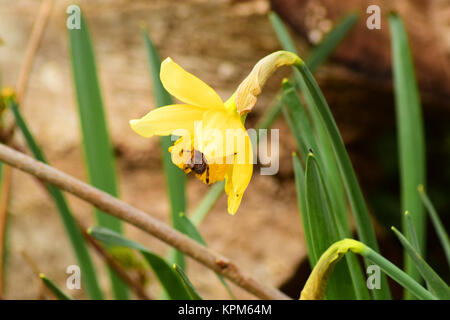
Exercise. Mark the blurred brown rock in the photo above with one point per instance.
(367, 52)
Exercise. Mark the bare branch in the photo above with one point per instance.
(140, 219)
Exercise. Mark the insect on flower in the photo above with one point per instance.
(213, 142)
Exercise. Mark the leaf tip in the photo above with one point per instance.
(143, 25)
(420, 188)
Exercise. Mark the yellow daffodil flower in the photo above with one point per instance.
(213, 142)
(197, 150)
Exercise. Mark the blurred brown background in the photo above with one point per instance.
(219, 41)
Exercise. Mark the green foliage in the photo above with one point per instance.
(187, 283)
(410, 133)
(364, 227)
(72, 229)
(189, 229)
(167, 276)
(59, 294)
(175, 178)
(437, 223)
(345, 282)
(97, 146)
(435, 284)
(315, 221)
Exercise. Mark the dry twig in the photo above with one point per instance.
(140, 219)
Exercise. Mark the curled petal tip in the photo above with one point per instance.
(250, 88)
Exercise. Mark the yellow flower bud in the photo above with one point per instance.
(316, 284)
(250, 88)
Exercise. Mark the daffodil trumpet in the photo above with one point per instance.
(212, 141)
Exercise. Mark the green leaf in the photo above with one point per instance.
(175, 177)
(317, 103)
(301, 127)
(59, 294)
(301, 199)
(187, 283)
(435, 284)
(399, 276)
(97, 146)
(207, 202)
(302, 130)
(328, 134)
(189, 229)
(70, 224)
(166, 275)
(440, 229)
(411, 231)
(298, 121)
(411, 140)
(323, 229)
(323, 147)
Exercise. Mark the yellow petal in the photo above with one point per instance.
(219, 133)
(187, 87)
(165, 120)
(239, 176)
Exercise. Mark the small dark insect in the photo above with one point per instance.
(197, 162)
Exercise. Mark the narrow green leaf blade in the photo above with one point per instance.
(175, 178)
(435, 284)
(97, 146)
(166, 275)
(399, 276)
(96, 142)
(411, 231)
(364, 227)
(298, 120)
(188, 228)
(324, 231)
(316, 58)
(438, 225)
(207, 202)
(59, 294)
(302, 130)
(187, 283)
(75, 236)
(299, 174)
(411, 140)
